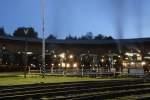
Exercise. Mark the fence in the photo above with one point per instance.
(75, 72)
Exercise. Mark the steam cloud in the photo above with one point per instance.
(119, 17)
(138, 6)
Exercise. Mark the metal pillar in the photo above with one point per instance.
(43, 42)
(26, 57)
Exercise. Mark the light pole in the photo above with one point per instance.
(82, 70)
(26, 59)
(82, 64)
(52, 68)
(43, 41)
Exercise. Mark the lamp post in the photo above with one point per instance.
(82, 64)
(43, 40)
(52, 68)
(82, 70)
(26, 58)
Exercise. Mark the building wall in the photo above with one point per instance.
(36, 47)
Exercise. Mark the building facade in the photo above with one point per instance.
(119, 54)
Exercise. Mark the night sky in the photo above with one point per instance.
(118, 18)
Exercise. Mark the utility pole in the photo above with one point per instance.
(26, 57)
(43, 40)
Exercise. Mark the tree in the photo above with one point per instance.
(108, 38)
(102, 37)
(99, 37)
(71, 38)
(2, 32)
(51, 37)
(88, 36)
(82, 38)
(20, 32)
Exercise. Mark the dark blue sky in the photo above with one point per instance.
(76, 17)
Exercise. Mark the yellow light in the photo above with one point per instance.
(75, 65)
(55, 56)
(68, 65)
(63, 64)
(62, 55)
(115, 60)
(132, 63)
(102, 60)
(138, 55)
(52, 64)
(143, 63)
(29, 53)
(124, 64)
(71, 56)
(129, 54)
(59, 64)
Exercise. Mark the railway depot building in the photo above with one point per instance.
(75, 54)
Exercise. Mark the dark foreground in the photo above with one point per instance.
(96, 90)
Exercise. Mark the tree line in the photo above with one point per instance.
(29, 32)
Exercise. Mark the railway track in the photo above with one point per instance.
(96, 90)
